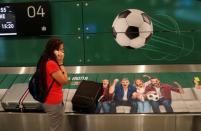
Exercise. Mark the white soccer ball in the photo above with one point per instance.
(132, 28)
(153, 96)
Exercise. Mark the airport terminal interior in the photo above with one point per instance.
(103, 39)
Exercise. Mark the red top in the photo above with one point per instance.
(165, 90)
(55, 95)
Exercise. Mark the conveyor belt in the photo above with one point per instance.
(106, 122)
(12, 121)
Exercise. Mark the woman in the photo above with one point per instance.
(105, 98)
(54, 73)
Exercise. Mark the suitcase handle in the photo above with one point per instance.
(21, 107)
(85, 97)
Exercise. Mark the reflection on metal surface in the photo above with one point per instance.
(22, 70)
(188, 122)
(77, 69)
(102, 122)
(112, 69)
(142, 68)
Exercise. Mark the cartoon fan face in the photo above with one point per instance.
(153, 96)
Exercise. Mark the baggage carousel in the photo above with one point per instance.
(186, 118)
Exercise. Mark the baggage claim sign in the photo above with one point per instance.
(25, 19)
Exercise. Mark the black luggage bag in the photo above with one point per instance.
(86, 97)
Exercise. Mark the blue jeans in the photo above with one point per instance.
(103, 105)
(132, 103)
(144, 107)
(162, 101)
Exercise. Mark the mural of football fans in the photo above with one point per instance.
(105, 98)
(160, 94)
(143, 103)
(123, 95)
(197, 82)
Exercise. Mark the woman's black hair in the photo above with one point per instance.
(52, 44)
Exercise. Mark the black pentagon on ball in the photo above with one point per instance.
(146, 18)
(124, 14)
(114, 33)
(132, 32)
(129, 47)
(148, 37)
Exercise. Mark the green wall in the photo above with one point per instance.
(85, 27)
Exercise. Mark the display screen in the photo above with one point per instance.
(25, 19)
(7, 21)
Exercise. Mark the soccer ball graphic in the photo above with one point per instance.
(132, 28)
(153, 96)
